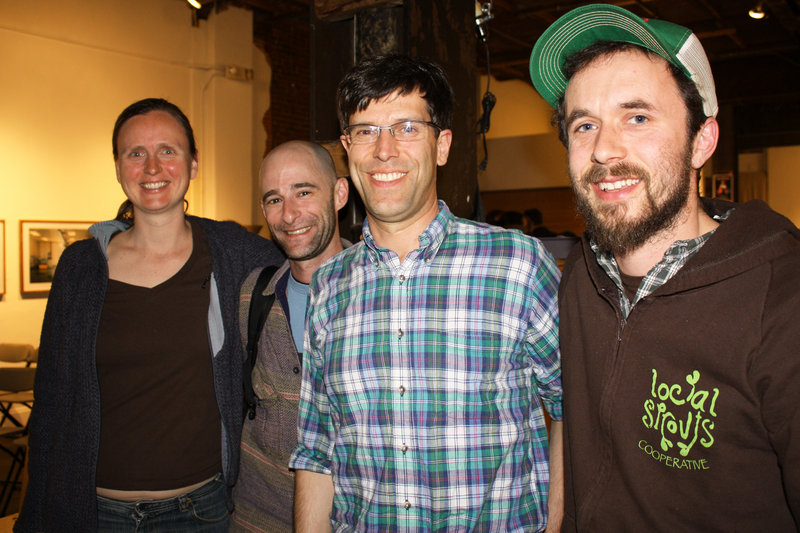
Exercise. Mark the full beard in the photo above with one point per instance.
(607, 224)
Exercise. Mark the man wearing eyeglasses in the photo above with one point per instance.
(431, 345)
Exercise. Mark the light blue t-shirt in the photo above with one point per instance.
(297, 295)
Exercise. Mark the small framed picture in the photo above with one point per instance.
(2, 257)
(722, 186)
(41, 245)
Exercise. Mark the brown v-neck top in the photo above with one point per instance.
(160, 424)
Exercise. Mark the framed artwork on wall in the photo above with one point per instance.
(41, 245)
(2, 257)
(722, 186)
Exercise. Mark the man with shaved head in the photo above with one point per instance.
(300, 198)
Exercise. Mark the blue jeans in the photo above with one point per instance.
(202, 510)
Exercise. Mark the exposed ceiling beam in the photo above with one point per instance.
(345, 8)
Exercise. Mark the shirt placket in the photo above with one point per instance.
(402, 383)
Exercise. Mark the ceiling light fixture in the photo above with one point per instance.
(757, 12)
(195, 4)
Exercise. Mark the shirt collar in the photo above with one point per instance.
(674, 258)
(677, 249)
(430, 240)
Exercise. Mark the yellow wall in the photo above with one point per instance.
(525, 162)
(519, 110)
(783, 189)
(69, 68)
(524, 150)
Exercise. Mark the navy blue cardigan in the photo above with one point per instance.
(65, 422)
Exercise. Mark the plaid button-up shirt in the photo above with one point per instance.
(423, 382)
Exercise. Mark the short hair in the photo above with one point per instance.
(380, 76)
(696, 117)
(511, 219)
(147, 105)
(495, 216)
(535, 215)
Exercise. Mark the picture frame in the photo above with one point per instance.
(2, 257)
(704, 184)
(722, 186)
(41, 244)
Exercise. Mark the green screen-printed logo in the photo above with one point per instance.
(681, 419)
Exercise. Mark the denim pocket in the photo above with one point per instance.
(208, 504)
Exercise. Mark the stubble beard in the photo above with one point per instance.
(326, 229)
(608, 225)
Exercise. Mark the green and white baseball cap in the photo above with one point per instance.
(593, 23)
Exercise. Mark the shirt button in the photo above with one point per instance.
(296, 370)
(402, 278)
(407, 505)
(401, 389)
(400, 333)
(404, 448)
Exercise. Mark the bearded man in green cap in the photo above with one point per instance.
(678, 329)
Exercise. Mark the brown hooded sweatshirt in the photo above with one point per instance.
(686, 415)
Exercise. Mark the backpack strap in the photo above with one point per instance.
(260, 306)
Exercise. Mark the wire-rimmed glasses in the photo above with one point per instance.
(404, 131)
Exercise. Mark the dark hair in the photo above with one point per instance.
(142, 107)
(535, 215)
(511, 219)
(381, 76)
(581, 59)
(495, 216)
(125, 211)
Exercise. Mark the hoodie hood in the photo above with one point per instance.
(103, 231)
(753, 234)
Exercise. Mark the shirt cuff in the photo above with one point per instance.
(304, 459)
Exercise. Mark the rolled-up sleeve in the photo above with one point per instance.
(314, 423)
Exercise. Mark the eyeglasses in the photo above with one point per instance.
(405, 131)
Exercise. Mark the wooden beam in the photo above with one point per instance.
(339, 9)
(444, 30)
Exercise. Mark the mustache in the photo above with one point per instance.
(598, 173)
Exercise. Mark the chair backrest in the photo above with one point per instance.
(17, 353)
(559, 246)
(17, 378)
